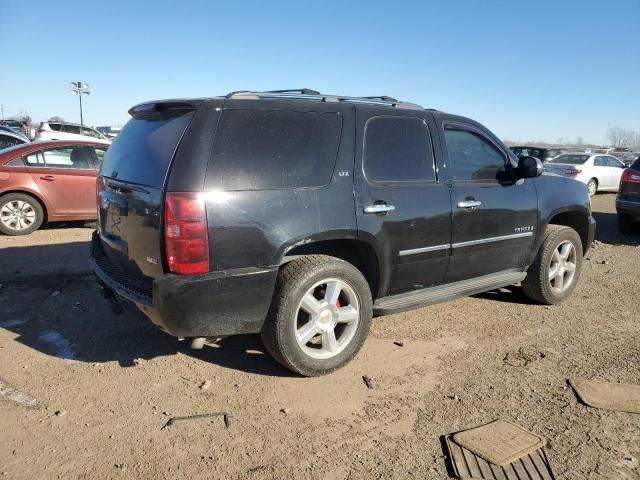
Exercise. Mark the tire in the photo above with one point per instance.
(290, 320)
(29, 211)
(592, 187)
(538, 285)
(625, 224)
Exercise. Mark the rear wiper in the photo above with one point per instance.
(125, 187)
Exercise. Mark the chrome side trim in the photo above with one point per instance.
(414, 251)
(492, 239)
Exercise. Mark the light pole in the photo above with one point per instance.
(80, 89)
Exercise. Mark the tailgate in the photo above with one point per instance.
(130, 191)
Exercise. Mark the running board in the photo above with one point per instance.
(441, 293)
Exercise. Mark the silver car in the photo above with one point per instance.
(67, 131)
(601, 173)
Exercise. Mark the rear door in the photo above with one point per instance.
(66, 176)
(494, 217)
(402, 205)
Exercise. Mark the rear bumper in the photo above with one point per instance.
(629, 208)
(219, 303)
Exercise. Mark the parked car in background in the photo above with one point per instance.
(11, 139)
(299, 215)
(628, 198)
(543, 153)
(47, 182)
(16, 126)
(67, 131)
(601, 173)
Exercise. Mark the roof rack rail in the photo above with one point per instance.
(303, 91)
(384, 98)
(307, 94)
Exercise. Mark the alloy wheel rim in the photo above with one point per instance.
(562, 268)
(592, 188)
(327, 318)
(17, 215)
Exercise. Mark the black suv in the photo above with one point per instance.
(301, 215)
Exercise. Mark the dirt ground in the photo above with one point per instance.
(105, 385)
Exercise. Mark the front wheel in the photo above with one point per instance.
(20, 214)
(320, 316)
(592, 187)
(555, 271)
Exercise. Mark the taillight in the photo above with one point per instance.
(40, 130)
(186, 237)
(630, 176)
(572, 171)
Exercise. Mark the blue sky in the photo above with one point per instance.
(544, 70)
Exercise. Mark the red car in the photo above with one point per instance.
(48, 182)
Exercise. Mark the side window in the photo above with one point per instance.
(7, 141)
(600, 162)
(71, 129)
(100, 153)
(76, 158)
(16, 162)
(89, 132)
(614, 162)
(262, 150)
(472, 157)
(34, 159)
(55, 126)
(397, 149)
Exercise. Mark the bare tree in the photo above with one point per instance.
(56, 118)
(620, 137)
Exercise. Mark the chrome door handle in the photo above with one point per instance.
(382, 208)
(469, 204)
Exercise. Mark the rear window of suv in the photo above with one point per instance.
(143, 150)
(265, 150)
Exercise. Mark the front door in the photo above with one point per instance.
(494, 216)
(615, 168)
(403, 206)
(66, 177)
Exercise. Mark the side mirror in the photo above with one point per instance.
(529, 167)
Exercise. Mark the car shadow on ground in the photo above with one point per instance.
(607, 230)
(65, 316)
(75, 224)
(510, 294)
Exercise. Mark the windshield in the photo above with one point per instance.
(144, 149)
(570, 159)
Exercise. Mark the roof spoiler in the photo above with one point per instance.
(163, 107)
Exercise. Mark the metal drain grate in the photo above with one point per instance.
(464, 464)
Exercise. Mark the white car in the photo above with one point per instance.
(601, 173)
(67, 131)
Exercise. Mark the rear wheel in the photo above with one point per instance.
(592, 187)
(555, 271)
(20, 214)
(320, 316)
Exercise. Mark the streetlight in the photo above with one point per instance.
(80, 89)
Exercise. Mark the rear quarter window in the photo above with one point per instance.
(264, 150)
(143, 150)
